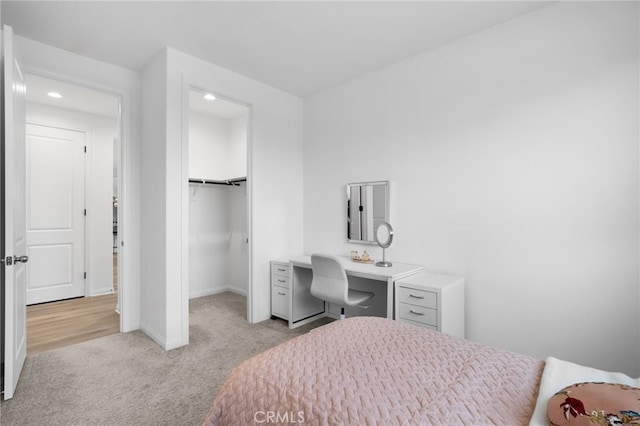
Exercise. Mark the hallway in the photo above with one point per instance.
(66, 322)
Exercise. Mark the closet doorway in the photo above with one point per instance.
(73, 165)
(218, 197)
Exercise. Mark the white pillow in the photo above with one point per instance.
(558, 374)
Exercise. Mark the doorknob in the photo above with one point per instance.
(23, 259)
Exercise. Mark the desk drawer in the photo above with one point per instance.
(424, 298)
(418, 314)
(280, 302)
(280, 280)
(283, 269)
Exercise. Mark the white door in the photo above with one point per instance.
(55, 213)
(14, 258)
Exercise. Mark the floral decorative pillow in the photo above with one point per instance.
(593, 403)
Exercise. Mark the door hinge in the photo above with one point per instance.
(85, 149)
(85, 212)
(85, 275)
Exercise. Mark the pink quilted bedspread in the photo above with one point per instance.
(366, 371)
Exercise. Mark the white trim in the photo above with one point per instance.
(173, 344)
(184, 211)
(167, 345)
(128, 283)
(250, 127)
(151, 333)
(88, 219)
(210, 292)
(186, 87)
(103, 292)
(638, 359)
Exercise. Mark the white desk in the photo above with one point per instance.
(302, 281)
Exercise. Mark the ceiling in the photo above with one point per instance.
(217, 107)
(301, 47)
(105, 104)
(73, 97)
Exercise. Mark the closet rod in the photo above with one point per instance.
(219, 182)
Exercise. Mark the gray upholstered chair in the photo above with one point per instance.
(330, 283)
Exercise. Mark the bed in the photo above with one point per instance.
(367, 370)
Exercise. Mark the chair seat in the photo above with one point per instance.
(330, 283)
(357, 297)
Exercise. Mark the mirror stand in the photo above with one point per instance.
(383, 263)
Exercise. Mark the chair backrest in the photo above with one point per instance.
(329, 281)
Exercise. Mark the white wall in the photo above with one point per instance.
(99, 133)
(209, 147)
(217, 146)
(238, 146)
(59, 64)
(209, 216)
(513, 160)
(154, 204)
(218, 253)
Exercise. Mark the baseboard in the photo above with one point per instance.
(173, 344)
(101, 292)
(167, 345)
(209, 292)
(153, 336)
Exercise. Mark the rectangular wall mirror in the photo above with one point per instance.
(367, 207)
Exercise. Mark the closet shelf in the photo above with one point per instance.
(233, 181)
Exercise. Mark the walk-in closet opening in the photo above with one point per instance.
(72, 186)
(218, 197)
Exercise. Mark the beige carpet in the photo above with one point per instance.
(126, 379)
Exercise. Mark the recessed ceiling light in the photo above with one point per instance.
(209, 97)
(55, 95)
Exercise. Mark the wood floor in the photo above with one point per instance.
(57, 324)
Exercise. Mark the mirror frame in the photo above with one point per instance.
(349, 187)
(389, 240)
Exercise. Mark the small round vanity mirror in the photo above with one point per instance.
(384, 237)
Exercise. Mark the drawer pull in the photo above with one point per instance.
(282, 294)
(416, 297)
(416, 313)
(282, 281)
(281, 270)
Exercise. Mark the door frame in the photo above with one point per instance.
(128, 285)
